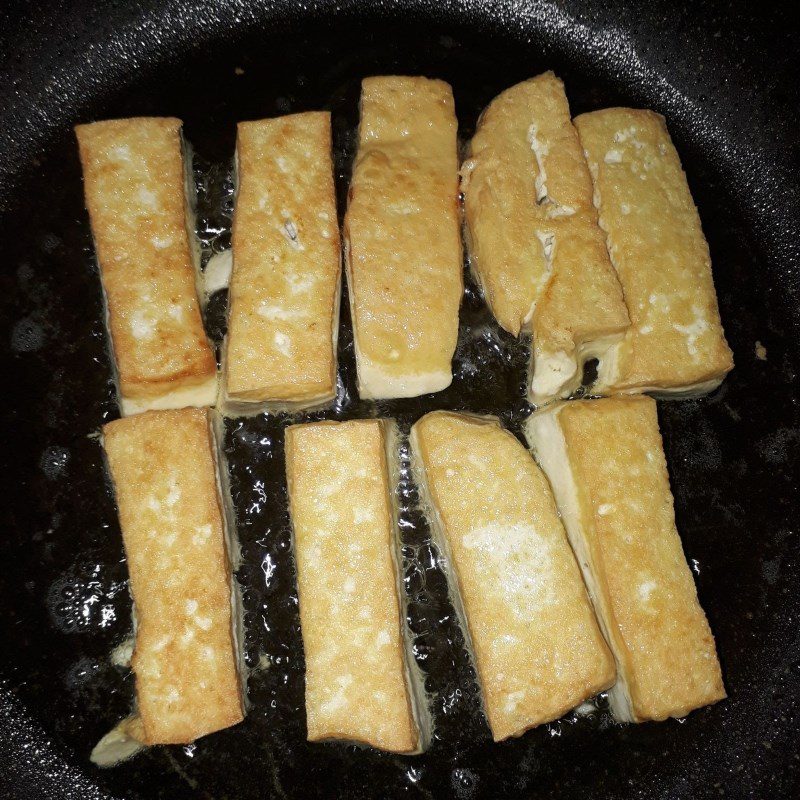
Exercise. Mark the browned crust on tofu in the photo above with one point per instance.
(164, 476)
(657, 629)
(284, 294)
(403, 243)
(357, 686)
(654, 236)
(133, 176)
(536, 645)
(534, 239)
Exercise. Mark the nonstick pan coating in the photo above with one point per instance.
(724, 75)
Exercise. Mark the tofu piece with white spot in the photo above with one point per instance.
(675, 344)
(605, 461)
(535, 245)
(534, 640)
(402, 234)
(341, 491)
(142, 219)
(283, 314)
(186, 660)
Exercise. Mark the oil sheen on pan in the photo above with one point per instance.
(64, 602)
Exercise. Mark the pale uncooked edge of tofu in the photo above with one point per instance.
(233, 548)
(549, 447)
(608, 373)
(415, 683)
(374, 383)
(439, 538)
(200, 395)
(118, 745)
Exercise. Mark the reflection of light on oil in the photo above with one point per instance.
(268, 566)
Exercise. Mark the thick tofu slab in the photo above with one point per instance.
(142, 222)
(605, 462)
(162, 464)
(402, 238)
(360, 678)
(535, 245)
(675, 343)
(284, 294)
(535, 642)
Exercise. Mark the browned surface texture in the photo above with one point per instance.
(134, 186)
(537, 648)
(658, 631)
(356, 686)
(658, 248)
(403, 237)
(164, 477)
(286, 263)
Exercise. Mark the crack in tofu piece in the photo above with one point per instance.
(535, 245)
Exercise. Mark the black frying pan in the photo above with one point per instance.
(724, 75)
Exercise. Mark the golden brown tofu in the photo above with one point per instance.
(134, 183)
(402, 239)
(534, 638)
(185, 661)
(284, 294)
(675, 343)
(535, 245)
(605, 462)
(361, 682)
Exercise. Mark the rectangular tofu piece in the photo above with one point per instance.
(137, 193)
(283, 313)
(178, 549)
(535, 245)
(362, 683)
(402, 239)
(524, 611)
(675, 344)
(605, 462)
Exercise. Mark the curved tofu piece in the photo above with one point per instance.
(402, 239)
(162, 465)
(535, 245)
(360, 677)
(142, 222)
(675, 343)
(605, 462)
(523, 606)
(284, 295)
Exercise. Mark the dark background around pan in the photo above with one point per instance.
(724, 74)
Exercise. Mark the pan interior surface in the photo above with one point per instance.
(64, 602)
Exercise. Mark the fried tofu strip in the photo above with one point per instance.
(535, 245)
(675, 344)
(523, 606)
(361, 680)
(284, 295)
(135, 184)
(605, 462)
(186, 657)
(402, 240)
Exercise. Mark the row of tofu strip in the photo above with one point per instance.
(583, 233)
(568, 574)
